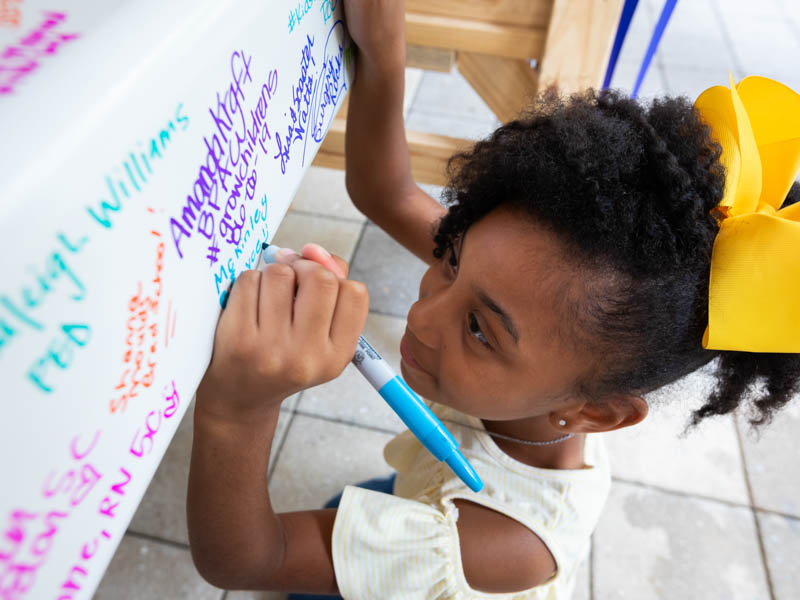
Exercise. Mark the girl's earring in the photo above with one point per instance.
(562, 422)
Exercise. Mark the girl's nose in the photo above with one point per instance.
(426, 318)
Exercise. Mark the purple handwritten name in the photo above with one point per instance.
(231, 156)
(300, 108)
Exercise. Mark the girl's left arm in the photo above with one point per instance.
(237, 540)
(290, 327)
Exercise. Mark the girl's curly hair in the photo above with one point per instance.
(629, 188)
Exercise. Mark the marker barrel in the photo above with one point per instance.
(419, 419)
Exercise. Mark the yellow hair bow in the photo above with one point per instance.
(754, 292)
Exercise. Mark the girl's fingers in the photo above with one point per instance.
(278, 283)
(343, 266)
(242, 306)
(319, 255)
(350, 314)
(317, 290)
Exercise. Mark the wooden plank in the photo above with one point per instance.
(428, 152)
(505, 84)
(329, 160)
(579, 41)
(334, 139)
(470, 35)
(527, 13)
(430, 59)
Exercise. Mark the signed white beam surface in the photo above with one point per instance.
(148, 148)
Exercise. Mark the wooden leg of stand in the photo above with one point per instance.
(579, 41)
(505, 84)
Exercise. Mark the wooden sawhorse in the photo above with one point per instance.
(507, 50)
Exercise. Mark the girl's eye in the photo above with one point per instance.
(475, 330)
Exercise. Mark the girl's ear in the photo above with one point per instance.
(608, 414)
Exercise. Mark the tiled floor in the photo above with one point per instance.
(715, 514)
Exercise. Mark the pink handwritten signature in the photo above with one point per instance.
(20, 60)
(28, 537)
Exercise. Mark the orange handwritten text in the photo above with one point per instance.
(10, 14)
(141, 339)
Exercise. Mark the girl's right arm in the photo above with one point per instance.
(378, 170)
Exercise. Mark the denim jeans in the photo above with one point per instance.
(378, 485)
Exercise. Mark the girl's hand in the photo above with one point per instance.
(293, 326)
(378, 29)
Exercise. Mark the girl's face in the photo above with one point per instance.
(482, 337)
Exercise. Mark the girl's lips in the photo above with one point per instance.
(408, 358)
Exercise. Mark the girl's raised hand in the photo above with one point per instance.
(292, 326)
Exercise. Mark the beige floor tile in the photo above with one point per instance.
(145, 570)
(337, 236)
(444, 124)
(319, 458)
(626, 72)
(162, 511)
(651, 545)
(772, 457)
(390, 271)
(413, 81)
(706, 462)
(349, 397)
(782, 546)
(451, 95)
(323, 192)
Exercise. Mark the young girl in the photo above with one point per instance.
(569, 276)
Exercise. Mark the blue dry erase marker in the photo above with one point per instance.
(419, 419)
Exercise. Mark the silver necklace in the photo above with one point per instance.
(557, 440)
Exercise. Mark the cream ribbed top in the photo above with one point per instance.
(405, 546)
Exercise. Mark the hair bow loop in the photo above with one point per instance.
(754, 291)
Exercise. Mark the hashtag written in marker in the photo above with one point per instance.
(213, 250)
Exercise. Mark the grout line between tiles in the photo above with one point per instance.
(349, 423)
(662, 72)
(682, 494)
(357, 247)
(776, 513)
(729, 45)
(156, 539)
(759, 535)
